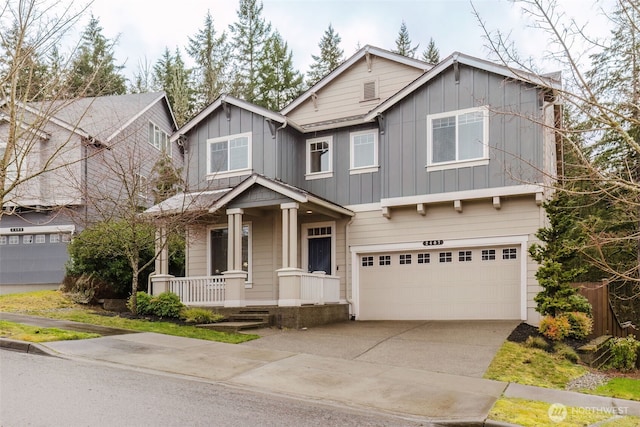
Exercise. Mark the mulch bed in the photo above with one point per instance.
(523, 331)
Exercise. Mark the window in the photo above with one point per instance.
(142, 186)
(14, 240)
(41, 238)
(12, 170)
(446, 257)
(54, 238)
(424, 258)
(27, 239)
(3, 240)
(488, 254)
(385, 259)
(364, 151)
(509, 253)
(464, 256)
(455, 137)
(319, 158)
(367, 261)
(405, 259)
(229, 155)
(159, 139)
(66, 237)
(219, 248)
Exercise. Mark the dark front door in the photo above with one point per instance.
(320, 254)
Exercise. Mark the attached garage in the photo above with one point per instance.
(440, 282)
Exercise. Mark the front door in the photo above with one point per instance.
(320, 254)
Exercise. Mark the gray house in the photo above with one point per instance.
(85, 148)
(393, 189)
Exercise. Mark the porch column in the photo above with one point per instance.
(289, 235)
(234, 276)
(162, 260)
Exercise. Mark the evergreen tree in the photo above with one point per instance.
(94, 72)
(279, 83)
(249, 35)
(211, 53)
(331, 56)
(171, 75)
(403, 43)
(431, 54)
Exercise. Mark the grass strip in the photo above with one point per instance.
(20, 332)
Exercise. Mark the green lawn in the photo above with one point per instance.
(17, 331)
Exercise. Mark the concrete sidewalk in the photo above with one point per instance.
(351, 379)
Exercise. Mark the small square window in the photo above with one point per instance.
(385, 259)
(424, 258)
(367, 261)
(405, 259)
(488, 254)
(464, 256)
(510, 253)
(14, 240)
(54, 238)
(41, 238)
(27, 239)
(319, 158)
(3, 240)
(66, 237)
(446, 257)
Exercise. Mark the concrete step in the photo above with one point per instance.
(234, 326)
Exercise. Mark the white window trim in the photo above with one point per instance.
(233, 172)
(364, 169)
(249, 282)
(305, 247)
(484, 160)
(324, 174)
(158, 147)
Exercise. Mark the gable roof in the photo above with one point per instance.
(102, 117)
(362, 53)
(550, 81)
(220, 103)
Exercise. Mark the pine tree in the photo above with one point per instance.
(211, 53)
(331, 56)
(171, 75)
(249, 35)
(403, 43)
(94, 72)
(278, 82)
(431, 54)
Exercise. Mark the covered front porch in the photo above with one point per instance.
(261, 244)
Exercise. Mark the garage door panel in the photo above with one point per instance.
(470, 289)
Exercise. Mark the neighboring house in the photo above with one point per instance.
(80, 145)
(399, 189)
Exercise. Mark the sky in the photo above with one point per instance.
(144, 29)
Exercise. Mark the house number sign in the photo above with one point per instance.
(433, 242)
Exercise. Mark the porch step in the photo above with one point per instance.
(234, 326)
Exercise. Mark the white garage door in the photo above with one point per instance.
(465, 283)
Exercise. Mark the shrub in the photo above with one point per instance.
(143, 301)
(581, 324)
(167, 304)
(199, 315)
(555, 328)
(536, 342)
(566, 352)
(579, 303)
(624, 353)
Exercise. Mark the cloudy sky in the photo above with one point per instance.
(146, 28)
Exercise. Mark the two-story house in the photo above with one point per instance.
(80, 154)
(393, 188)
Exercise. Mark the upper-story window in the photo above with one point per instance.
(229, 155)
(11, 169)
(319, 157)
(458, 138)
(159, 139)
(364, 151)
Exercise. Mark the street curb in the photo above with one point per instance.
(25, 347)
(492, 423)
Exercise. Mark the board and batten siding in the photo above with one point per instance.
(263, 148)
(343, 97)
(518, 216)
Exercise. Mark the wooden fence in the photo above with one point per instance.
(605, 321)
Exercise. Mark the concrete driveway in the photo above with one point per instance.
(453, 347)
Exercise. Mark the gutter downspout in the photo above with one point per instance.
(284, 125)
(348, 276)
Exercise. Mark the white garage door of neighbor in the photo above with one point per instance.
(443, 284)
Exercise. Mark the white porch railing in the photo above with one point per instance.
(203, 290)
(318, 288)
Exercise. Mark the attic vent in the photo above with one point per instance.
(369, 91)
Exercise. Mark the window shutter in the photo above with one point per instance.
(369, 90)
